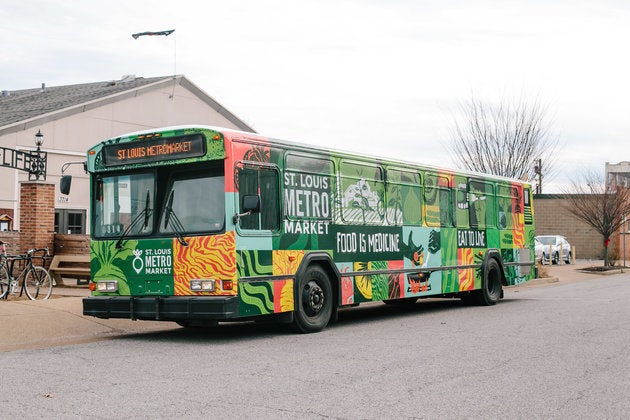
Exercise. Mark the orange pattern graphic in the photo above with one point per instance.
(466, 276)
(518, 233)
(283, 296)
(286, 261)
(205, 257)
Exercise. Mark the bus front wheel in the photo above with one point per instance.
(314, 303)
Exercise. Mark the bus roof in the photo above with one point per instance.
(307, 147)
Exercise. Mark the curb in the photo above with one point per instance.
(602, 273)
(544, 280)
(537, 282)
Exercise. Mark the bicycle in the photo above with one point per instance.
(35, 280)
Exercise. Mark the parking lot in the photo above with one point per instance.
(60, 320)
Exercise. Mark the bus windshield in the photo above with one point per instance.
(194, 204)
(191, 203)
(121, 201)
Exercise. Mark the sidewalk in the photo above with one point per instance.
(563, 273)
(26, 324)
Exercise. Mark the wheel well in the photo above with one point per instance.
(495, 255)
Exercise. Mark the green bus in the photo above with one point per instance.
(199, 224)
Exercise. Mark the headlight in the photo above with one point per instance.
(109, 286)
(202, 285)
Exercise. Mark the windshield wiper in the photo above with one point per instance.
(177, 225)
(146, 212)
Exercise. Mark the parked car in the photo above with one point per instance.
(558, 246)
(538, 249)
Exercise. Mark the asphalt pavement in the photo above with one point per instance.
(26, 324)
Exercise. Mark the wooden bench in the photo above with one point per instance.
(72, 266)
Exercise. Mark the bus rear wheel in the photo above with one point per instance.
(491, 289)
(314, 303)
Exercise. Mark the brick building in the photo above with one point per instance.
(551, 217)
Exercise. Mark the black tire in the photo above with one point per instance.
(556, 258)
(314, 301)
(568, 260)
(491, 289)
(39, 285)
(544, 260)
(4, 282)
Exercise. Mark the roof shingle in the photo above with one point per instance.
(20, 105)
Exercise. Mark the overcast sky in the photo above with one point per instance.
(382, 77)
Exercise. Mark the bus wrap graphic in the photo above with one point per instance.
(321, 230)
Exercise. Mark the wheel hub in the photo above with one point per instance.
(313, 297)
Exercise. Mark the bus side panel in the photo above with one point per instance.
(264, 297)
(266, 276)
(375, 244)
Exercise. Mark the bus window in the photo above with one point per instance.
(404, 197)
(438, 201)
(461, 209)
(261, 180)
(362, 193)
(504, 204)
(480, 204)
(309, 164)
(308, 187)
(527, 206)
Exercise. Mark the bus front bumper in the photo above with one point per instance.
(162, 308)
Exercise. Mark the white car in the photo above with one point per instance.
(538, 249)
(556, 244)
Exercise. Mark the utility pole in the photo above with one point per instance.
(538, 171)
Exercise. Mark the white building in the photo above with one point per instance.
(75, 117)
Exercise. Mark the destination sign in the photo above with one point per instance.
(154, 149)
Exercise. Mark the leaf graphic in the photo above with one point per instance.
(110, 260)
(108, 272)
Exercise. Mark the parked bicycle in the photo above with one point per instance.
(34, 280)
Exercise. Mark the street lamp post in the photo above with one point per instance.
(38, 159)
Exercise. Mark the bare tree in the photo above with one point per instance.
(508, 139)
(602, 206)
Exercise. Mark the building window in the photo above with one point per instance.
(6, 223)
(70, 221)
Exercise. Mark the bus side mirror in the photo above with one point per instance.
(64, 184)
(249, 204)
